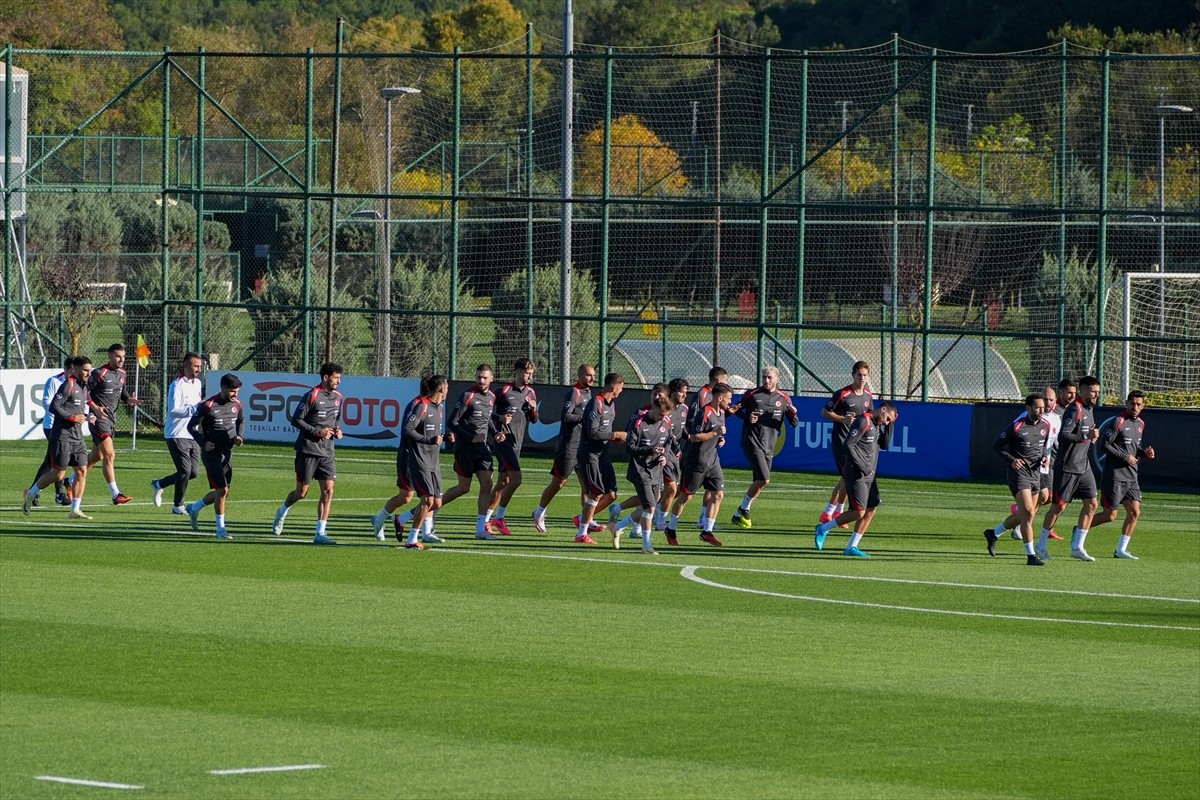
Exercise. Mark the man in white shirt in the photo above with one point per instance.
(48, 391)
(183, 399)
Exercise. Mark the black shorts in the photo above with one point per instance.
(1069, 485)
(102, 429)
(507, 456)
(710, 476)
(760, 463)
(1114, 492)
(1027, 478)
(648, 494)
(403, 482)
(564, 464)
(598, 476)
(671, 470)
(862, 491)
(67, 452)
(425, 482)
(1045, 481)
(218, 465)
(470, 458)
(318, 467)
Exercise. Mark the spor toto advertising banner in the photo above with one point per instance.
(371, 407)
(930, 440)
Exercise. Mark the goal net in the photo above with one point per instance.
(1152, 307)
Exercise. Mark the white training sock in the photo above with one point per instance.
(829, 509)
(746, 501)
(1082, 537)
(673, 521)
(540, 511)
(1124, 543)
(839, 508)
(1029, 548)
(220, 521)
(487, 516)
(76, 502)
(405, 517)
(113, 490)
(283, 511)
(427, 524)
(709, 524)
(626, 521)
(855, 539)
(1043, 538)
(321, 526)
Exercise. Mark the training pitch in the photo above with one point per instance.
(140, 657)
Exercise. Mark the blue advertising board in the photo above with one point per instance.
(931, 440)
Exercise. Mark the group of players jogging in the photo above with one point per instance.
(672, 448)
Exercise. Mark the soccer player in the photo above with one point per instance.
(1067, 391)
(68, 451)
(596, 470)
(701, 466)
(404, 486)
(183, 399)
(218, 426)
(1123, 448)
(677, 391)
(1072, 469)
(317, 419)
(470, 426)
(566, 452)
(869, 433)
(646, 443)
(516, 402)
(1023, 445)
(716, 376)
(423, 428)
(107, 390)
(845, 404)
(1053, 418)
(763, 411)
(633, 501)
(49, 389)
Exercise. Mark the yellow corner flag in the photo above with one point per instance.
(143, 352)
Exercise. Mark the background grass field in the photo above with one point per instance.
(136, 651)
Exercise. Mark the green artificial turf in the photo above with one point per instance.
(136, 651)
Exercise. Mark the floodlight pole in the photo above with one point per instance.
(1163, 110)
(383, 336)
(568, 180)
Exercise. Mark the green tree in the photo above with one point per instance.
(420, 343)
(1079, 303)
(512, 336)
(640, 164)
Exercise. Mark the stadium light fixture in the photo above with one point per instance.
(1163, 110)
(384, 330)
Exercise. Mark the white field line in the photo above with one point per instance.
(690, 574)
(85, 782)
(481, 551)
(252, 770)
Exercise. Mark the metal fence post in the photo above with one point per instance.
(764, 187)
(930, 153)
(801, 219)
(452, 357)
(1102, 245)
(605, 214)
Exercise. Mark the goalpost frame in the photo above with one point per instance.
(1162, 278)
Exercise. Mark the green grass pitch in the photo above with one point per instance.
(137, 652)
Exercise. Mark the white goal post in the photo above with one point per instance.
(1162, 305)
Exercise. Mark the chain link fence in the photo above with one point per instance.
(963, 222)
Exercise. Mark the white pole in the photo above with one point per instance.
(1125, 370)
(137, 381)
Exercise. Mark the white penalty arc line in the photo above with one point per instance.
(86, 782)
(483, 551)
(253, 770)
(690, 574)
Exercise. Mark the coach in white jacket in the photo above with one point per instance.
(183, 398)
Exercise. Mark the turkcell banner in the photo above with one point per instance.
(21, 402)
(931, 440)
(371, 407)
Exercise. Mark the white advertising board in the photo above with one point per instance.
(21, 402)
(371, 407)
